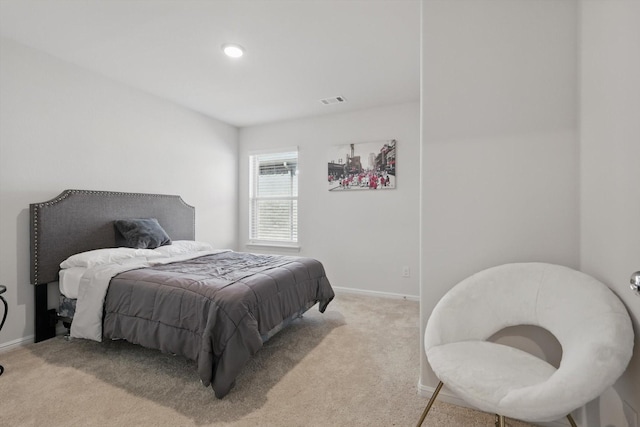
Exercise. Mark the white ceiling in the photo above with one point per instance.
(297, 51)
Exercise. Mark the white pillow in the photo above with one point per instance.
(96, 257)
(182, 247)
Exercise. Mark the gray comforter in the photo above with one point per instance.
(215, 309)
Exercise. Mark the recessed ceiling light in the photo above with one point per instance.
(233, 50)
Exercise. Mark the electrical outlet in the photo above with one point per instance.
(630, 414)
(406, 271)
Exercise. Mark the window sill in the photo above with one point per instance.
(293, 248)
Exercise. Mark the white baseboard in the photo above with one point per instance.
(30, 339)
(61, 330)
(340, 289)
(16, 343)
(445, 396)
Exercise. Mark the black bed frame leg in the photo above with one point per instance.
(45, 319)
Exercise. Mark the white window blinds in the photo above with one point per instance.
(273, 197)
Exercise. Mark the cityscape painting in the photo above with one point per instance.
(362, 166)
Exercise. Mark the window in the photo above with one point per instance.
(273, 198)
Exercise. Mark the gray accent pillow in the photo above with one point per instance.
(142, 233)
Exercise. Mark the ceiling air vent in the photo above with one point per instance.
(333, 100)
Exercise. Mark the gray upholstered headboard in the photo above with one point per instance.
(82, 220)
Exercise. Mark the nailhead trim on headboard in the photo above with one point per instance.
(36, 210)
(35, 245)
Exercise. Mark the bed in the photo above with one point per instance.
(216, 307)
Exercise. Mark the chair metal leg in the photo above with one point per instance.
(433, 399)
(500, 420)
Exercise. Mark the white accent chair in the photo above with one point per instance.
(586, 317)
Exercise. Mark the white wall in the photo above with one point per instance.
(499, 147)
(610, 173)
(63, 127)
(362, 237)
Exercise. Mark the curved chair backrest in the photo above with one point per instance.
(590, 322)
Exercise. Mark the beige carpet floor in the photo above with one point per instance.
(355, 365)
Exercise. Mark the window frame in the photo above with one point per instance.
(254, 198)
